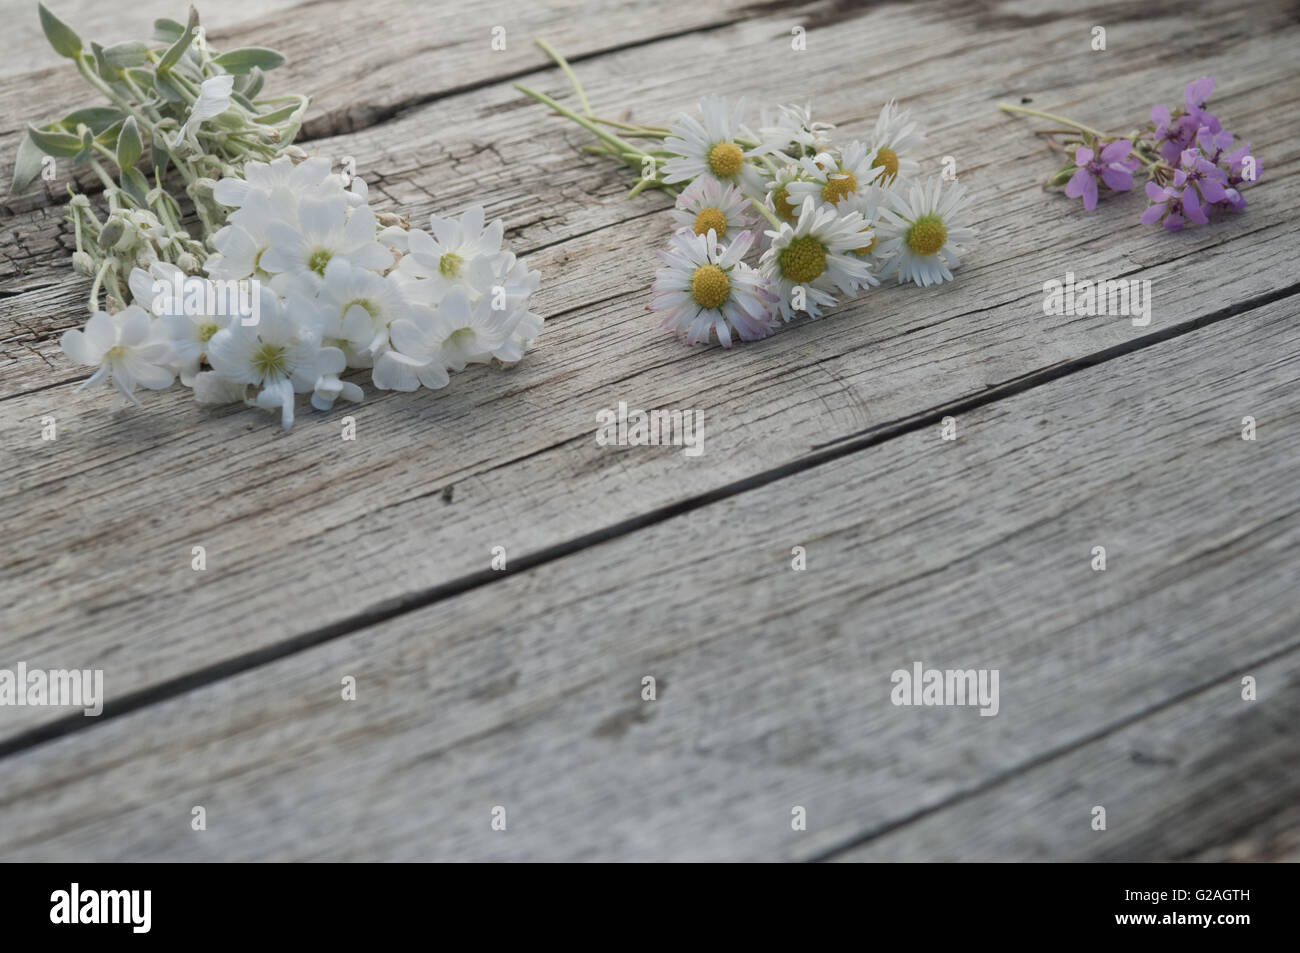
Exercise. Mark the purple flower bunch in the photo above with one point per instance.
(1193, 165)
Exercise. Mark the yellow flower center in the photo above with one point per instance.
(206, 330)
(710, 286)
(927, 235)
(365, 304)
(725, 160)
(320, 257)
(839, 187)
(886, 159)
(784, 207)
(711, 218)
(866, 249)
(269, 359)
(461, 337)
(803, 260)
(448, 265)
(115, 353)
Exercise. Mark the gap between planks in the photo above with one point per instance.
(171, 688)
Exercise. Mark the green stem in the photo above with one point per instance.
(767, 213)
(622, 145)
(563, 64)
(641, 132)
(1008, 108)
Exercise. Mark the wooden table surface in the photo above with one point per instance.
(522, 689)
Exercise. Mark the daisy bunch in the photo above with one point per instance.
(293, 280)
(1194, 168)
(779, 219)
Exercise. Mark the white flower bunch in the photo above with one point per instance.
(841, 216)
(295, 279)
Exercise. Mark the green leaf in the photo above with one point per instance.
(52, 143)
(241, 61)
(108, 138)
(167, 88)
(131, 53)
(103, 66)
(61, 36)
(161, 160)
(27, 166)
(177, 49)
(278, 116)
(129, 145)
(98, 118)
(135, 184)
(250, 84)
(167, 30)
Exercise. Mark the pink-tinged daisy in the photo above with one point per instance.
(708, 204)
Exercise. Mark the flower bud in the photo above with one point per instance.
(83, 264)
(1063, 176)
(187, 263)
(111, 233)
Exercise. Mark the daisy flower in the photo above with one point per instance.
(816, 257)
(440, 261)
(779, 199)
(793, 130)
(705, 287)
(708, 204)
(893, 139)
(922, 232)
(830, 179)
(868, 203)
(714, 145)
(280, 356)
(128, 348)
(301, 250)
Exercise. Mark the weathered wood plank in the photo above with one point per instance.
(24, 49)
(362, 65)
(773, 685)
(102, 566)
(1179, 782)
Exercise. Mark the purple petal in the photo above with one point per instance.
(1152, 214)
(1174, 222)
(1082, 156)
(1155, 193)
(1090, 194)
(1160, 115)
(1074, 188)
(1198, 91)
(1117, 179)
(1213, 190)
(1116, 151)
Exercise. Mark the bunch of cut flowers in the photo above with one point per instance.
(782, 219)
(221, 254)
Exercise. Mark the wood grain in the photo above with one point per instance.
(478, 688)
(773, 685)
